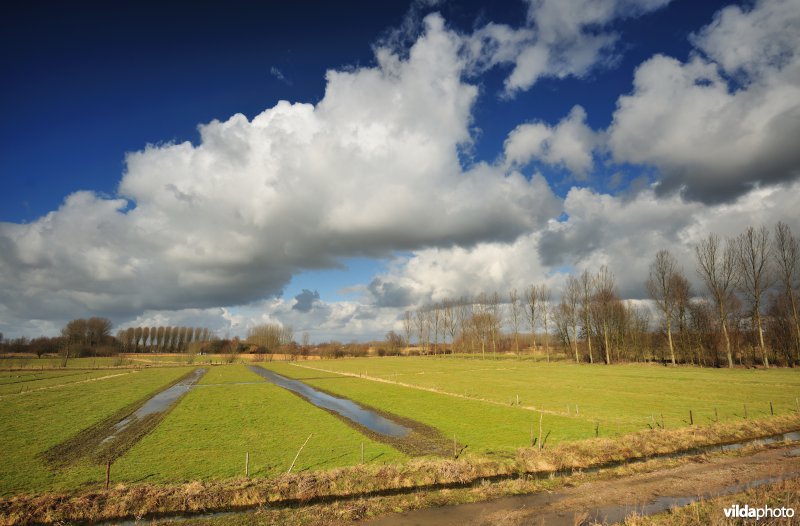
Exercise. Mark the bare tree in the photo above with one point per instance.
(755, 275)
(603, 302)
(570, 299)
(717, 270)
(270, 336)
(496, 320)
(515, 316)
(543, 293)
(587, 290)
(408, 326)
(98, 330)
(463, 316)
(787, 258)
(168, 330)
(449, 322)
(423, 321)
(532, 311)
(682, 294)
(660, 284)
(436, 325)
(146, 339)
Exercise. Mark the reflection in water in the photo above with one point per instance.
(346, 408)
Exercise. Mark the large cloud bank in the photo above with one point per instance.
(211, 233)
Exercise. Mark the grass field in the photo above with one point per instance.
(232, 412)
(21, 382)
(622, 398)
(31, 362)
(486, 428)
(38, 420)
(55, 362)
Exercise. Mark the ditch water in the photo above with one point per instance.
(342, 406)
(158, 404)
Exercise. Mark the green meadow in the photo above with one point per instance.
(621, 398)
(233, 412)
(33, 422)
(493, 407)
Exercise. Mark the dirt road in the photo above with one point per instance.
(612, 500)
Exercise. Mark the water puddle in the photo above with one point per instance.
(158, 404)
(617, 514)
(550, 509)
(342, 406)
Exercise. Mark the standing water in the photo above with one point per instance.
(342, 406)
(158, 404)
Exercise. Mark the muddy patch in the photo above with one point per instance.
(611, 501)
(407, 435)
(110, 438)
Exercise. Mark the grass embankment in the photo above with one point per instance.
(38, 420)
(783, 494)
(345, 486)
(622, 398)
(233, 411)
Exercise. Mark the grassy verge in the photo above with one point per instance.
(349, 484)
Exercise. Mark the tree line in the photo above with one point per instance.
(162, 339)
(746, 312)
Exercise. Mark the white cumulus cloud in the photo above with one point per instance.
(372, 168)
(727, 120)
(569, 143)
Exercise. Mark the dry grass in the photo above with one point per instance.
(643, 444)
(710, 512)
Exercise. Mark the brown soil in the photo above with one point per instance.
(611, 500)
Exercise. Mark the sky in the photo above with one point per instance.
(331, 165)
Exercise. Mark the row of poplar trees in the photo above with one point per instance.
(162, 339)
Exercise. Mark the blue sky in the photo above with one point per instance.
(90, 85)
(92, 81)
